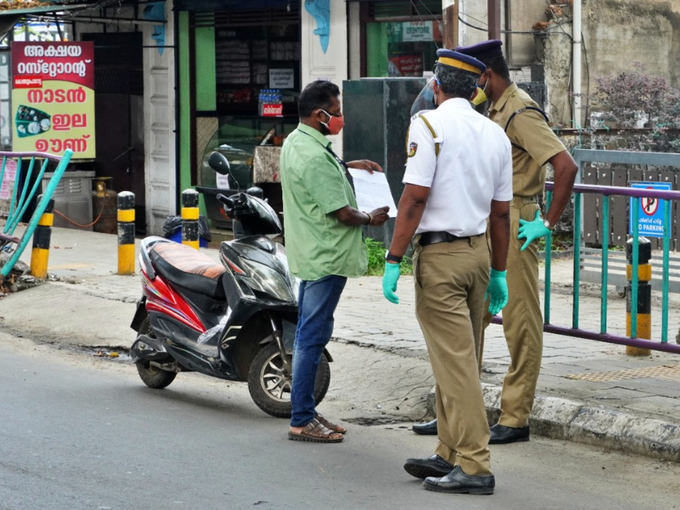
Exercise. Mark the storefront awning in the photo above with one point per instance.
(41, 8)
(228, 5)
(65, 10)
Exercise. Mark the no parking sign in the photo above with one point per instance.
(650, 211)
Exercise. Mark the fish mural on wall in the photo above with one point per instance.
(320, 10)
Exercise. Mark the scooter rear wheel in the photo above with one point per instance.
(154, 377)
(270, 388)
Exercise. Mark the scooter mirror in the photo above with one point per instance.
(219, 163)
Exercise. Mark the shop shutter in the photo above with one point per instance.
(247, 17)
(226, 5)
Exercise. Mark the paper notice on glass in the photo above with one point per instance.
(222, 181)
(372, 191)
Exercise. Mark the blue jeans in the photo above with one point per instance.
(316, 305)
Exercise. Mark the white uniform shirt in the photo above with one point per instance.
(474, 166)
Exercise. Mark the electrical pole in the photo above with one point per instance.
(494, 7)
(450, 23)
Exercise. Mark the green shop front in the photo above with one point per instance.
(399, 38)
(239, 81)
(241, 66)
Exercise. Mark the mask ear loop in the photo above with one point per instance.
(325, 124)
(434, 74)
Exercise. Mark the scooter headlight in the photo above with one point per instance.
(268, 281)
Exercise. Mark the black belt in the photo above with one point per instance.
(427, 238)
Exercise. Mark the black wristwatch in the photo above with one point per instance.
(392, 258)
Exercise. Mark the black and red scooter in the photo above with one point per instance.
(235, 320)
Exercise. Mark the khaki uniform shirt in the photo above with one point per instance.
(530, 131)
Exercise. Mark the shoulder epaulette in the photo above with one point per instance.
(420, 115)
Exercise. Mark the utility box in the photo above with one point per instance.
(377, 116)
(72, 198)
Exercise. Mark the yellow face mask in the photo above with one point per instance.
(479, 95)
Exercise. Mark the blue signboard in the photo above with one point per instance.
(650, 211)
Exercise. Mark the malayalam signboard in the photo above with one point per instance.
(406, 65)
(650, 211)
(413, 31)
(53, 98)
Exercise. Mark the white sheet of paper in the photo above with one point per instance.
(372, 191)
(222, 181)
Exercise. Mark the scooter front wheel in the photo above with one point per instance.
(270, 388)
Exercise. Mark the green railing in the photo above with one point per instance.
(22, 196)
(605, 192)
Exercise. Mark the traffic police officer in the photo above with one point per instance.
(458, 174)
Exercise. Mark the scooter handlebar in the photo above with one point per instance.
(228, 201)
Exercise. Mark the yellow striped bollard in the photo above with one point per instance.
(40, 254)
(190, 218)
(126, 232)
(644, 294)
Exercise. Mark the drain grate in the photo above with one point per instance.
(667, 372)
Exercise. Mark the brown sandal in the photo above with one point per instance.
(315, 432)
(330, 425)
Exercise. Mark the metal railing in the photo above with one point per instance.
(605, 192)
(22, 196)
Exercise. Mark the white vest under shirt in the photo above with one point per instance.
(474, 167)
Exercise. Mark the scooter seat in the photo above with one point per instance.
(189, 268)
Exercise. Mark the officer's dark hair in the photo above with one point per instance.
(318, 94)
(499, 66)
(456, 82)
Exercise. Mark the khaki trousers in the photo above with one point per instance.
(522, 322)
(450, 284)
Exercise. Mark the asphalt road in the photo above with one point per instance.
(79, 432)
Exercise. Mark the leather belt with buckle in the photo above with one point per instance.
(427, 238)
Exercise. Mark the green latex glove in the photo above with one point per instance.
(389, 282)
(531, 230)
(497, 291)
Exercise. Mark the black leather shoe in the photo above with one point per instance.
(426, 429)
(500, 434)
(431, 466)
(457, 482)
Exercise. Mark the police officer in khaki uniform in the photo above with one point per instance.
(533, 145)
(458, 174)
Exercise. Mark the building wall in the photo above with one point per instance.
(619, 32)
(159, 126)
(616, 33)
(354, 29)
(331, 65)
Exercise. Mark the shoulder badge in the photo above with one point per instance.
(412, 148)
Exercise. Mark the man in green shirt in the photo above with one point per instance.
(324, 243)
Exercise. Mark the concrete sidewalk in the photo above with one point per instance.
(588, 391)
